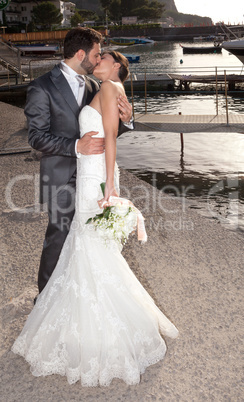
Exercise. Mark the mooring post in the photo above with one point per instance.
(181, 139)
(226, 100)
(217, 106)
(145, 91)
(132, 95)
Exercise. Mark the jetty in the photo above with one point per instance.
(190, 123)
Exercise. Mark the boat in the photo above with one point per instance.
(236, 47)
(209, 38)
(131, 40)
(201, 49)
(40, 49)
(122, 41)
(132, 58)
(154, 81)
(142, 40)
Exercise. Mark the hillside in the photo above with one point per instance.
(94, 5)
(171, 11)
(169, 5)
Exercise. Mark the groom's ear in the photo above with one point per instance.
(81, 54)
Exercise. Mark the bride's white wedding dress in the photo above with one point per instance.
(93, 321)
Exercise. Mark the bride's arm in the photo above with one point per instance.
(110, 118)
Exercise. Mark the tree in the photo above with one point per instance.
(149, 11)
(75, 19)
(115, 10)
(88, 15)
(46, 14)
(144, 9)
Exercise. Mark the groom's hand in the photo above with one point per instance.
(89, 145)
(125, 109)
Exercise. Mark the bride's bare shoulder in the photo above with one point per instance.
(113, 87)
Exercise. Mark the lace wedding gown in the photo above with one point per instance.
(93, 321)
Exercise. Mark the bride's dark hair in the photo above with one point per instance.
(122, 60)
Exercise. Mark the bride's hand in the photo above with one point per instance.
(109, 191)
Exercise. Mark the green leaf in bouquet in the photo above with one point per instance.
(98, 216)
(89, 220)
(102, 185)
(106, 212)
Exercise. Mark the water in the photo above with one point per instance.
(210, 173)
(165, 57)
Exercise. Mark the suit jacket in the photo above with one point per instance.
(52, 113)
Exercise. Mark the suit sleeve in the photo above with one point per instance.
(123, 128)
(40, 137)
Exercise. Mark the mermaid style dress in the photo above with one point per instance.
(93, 321)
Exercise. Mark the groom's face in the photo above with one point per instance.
(92, 59)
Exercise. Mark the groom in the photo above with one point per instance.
(54, 101)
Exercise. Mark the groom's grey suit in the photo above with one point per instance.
(52, 113)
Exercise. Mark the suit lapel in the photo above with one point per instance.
(63, 87)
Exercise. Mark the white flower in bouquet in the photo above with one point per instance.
(120, 209)
(116, 222)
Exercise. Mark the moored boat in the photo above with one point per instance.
(122, 41)
(131, 40)
(142, 40)
(235, 47)
(201, 49)
(132, 58)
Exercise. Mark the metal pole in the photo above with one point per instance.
(132, 95)
(217, 106)
(145, 91)
(226, 102)
(8, 76)
(181, 139)
(182, 142)
(19, 66)
(30, 70)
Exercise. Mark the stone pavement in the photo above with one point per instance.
(191, 265)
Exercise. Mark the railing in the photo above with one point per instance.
(10, 60)
(41, 65)
(216, 72)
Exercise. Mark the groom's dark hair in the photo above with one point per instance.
(80, 38)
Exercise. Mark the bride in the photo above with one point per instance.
(94, 321)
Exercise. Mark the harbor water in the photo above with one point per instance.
(210, 172)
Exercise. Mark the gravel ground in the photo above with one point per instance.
(191, 265)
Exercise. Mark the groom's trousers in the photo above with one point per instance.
(61, 207)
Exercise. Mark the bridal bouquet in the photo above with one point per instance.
(118, 220)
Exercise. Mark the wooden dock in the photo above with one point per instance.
(190, 123)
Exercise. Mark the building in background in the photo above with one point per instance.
(67, 9)
(20, 12)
